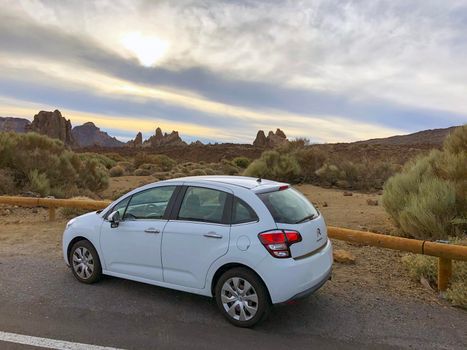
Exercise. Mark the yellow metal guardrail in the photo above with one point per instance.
(445, 252)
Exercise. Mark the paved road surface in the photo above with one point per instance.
(40, 297)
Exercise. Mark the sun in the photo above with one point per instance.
(147, 49)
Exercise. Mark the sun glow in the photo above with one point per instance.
(147, 49)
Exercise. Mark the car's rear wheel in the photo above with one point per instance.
(242, 297)
(85, 262)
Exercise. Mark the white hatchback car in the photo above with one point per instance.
(247, 242)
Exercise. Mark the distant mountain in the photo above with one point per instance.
(89, 134)
(13, 124)
(428, 137)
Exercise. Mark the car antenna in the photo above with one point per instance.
(258, 180)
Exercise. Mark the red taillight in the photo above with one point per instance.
(277, 242)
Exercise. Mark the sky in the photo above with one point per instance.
(329, 71)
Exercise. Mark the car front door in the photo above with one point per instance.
(133, 248)
(196, 235)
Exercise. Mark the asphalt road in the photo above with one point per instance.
(40, 297)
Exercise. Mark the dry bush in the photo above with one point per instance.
(241, 162)
(7, 182)
(163, 162)
(142, 172)
(197, 172)
(46, 166)
(100, 158)
(310, 160)
(275, 166)
(427, 200)
(116, 171)
(426, 266)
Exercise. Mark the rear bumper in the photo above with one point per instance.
(313, 289)
(288, 279)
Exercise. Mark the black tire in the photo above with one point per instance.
(91, 258)
(263, 303)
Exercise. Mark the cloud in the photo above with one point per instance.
(322, 69)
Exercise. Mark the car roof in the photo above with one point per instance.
(252, 183)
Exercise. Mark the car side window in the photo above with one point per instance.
(121, 206)
(203, 204)
(242, 212)
(149, 204)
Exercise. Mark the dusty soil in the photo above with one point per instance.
(377, 270)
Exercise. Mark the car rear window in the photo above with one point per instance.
(288, 206)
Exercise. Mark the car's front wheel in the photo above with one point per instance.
(242, 297)
(85, 262)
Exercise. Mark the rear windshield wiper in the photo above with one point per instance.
(306, 218)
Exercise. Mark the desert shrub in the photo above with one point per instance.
(426, 266)
(209, 171)
(177, 175)
(329, 174)
(7, 182)
(310, 160)
(94, 176)
(275, 166)
(241, 162)
(45, 165)
(100, 158)
(127, 166)
(427, 200)
(197, 172)
(116, 171)
(142, 172)
(163, 162)
(39, 182)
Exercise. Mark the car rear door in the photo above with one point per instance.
(196, 235)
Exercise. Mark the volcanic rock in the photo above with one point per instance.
(160, 139)
(53, 125)
(13, 124)
(89, 134)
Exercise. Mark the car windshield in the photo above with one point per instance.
(288, 206)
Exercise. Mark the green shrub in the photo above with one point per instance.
(163, 162)
(7, 182)
(39, 182)
(275, 166)
(107, 162)
(310, 160)
(241, 162)
(427, 200)
(330, 174)
(426, 266)
(142, 172)
(197, 172)
(45, 165)
(116, 171)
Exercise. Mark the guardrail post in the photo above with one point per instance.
(51, 213)
(444, 273)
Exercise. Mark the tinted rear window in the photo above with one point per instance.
(288, 206)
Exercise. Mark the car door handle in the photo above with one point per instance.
(212, 235)
(152, 230)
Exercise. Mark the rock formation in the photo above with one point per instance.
(53, 125)
(137, 142)
(13, 124)
(89, 134)
(260, 140)
(271, 141)
(160, 139)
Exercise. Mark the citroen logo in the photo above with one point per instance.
(318, 235)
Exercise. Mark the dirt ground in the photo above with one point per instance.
(378, 270)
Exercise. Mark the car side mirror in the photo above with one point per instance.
(114, 219)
